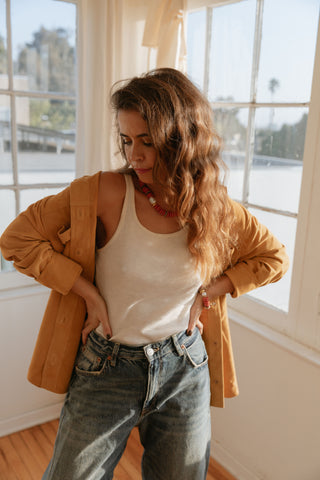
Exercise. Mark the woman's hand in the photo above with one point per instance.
(195, 312)
(219, 286)
(97, 311)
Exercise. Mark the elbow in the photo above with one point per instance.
(5, 246)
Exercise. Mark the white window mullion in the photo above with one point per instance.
(253, 97)
(304, 308)
(22, 185)
(206, 76)
(13, 118)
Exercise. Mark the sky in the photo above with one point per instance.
(287, 50)
(26, 15)
(287, 54)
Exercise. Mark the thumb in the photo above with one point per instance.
(195, 312)
(106, 328)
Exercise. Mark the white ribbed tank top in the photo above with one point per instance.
(147, 279)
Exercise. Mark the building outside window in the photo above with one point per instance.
(37, 103)
(254, 59)
(257, 70)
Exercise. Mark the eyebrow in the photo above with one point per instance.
(138, 136)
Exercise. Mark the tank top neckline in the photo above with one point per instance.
(130, 193)
(129, 210)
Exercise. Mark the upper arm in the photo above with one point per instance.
(259, 257)
(111, 191)
(32, 242)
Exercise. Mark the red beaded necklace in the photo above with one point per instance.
(146, 190)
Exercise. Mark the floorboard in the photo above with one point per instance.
(25, 455)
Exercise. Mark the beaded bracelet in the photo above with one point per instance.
(205, 299)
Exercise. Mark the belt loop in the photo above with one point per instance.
(115, 352)
(177, 345)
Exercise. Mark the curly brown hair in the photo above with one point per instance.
(189, 167)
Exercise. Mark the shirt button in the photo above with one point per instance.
(150, 351)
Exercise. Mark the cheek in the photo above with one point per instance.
(152, 157)
(126, 151)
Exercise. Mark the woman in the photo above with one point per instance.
(133, 259)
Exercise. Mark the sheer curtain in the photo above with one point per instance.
(165, 32)
(109, 49)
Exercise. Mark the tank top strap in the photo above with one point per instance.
(129, 202)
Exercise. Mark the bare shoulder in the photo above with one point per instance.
(112, 189)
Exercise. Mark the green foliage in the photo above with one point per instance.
(48, 61)
(52, 114)
(229, 126)
(287, 142)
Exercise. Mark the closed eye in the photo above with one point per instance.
(128, 142)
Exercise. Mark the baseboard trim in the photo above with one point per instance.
(30, 419)
(231, 464)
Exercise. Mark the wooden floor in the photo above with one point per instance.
(25, 455)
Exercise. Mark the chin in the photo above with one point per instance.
(145, 177)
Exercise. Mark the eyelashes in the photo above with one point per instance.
(128, 142)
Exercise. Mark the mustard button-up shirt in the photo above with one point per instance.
(54, 242)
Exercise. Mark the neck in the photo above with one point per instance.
(161, 206)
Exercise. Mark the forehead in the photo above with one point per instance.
(131, 123)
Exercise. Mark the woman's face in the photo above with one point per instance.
(138, 147)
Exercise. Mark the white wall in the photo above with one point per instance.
(22, 404)
(272, 430)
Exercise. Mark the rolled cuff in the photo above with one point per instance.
(238, 276)
(60, 273)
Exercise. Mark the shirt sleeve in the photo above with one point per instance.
(259, 257)
(33, 242)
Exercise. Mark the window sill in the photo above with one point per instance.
(16, 285)
(277, 338)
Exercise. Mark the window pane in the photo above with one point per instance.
(7, 214)
(5, 141)
(276, 173)
(284, 228)
(32, 195)
(231, 51)
(46, 140)
(3, 46)
(44, 46)
(196, 46)
(287, 50)
(232, 124)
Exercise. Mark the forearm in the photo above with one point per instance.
(219, 286)
(97, 312)
(85, 289)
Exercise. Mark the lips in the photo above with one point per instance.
(141, 171)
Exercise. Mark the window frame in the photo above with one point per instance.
(12, 279)
(253, 313)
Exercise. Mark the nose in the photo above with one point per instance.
(135, 153)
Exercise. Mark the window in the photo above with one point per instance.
(258, 61)
(37, 103)
(257, 71)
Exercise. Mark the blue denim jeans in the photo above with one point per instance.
(163, 388)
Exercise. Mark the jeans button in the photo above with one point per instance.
(150, 351)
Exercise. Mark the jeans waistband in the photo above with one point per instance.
(174, 343)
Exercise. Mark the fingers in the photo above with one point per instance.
(199, 324)
(195, 313)
(90, 325)
(107, 331)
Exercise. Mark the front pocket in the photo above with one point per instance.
(89, 363)
(196, 353)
